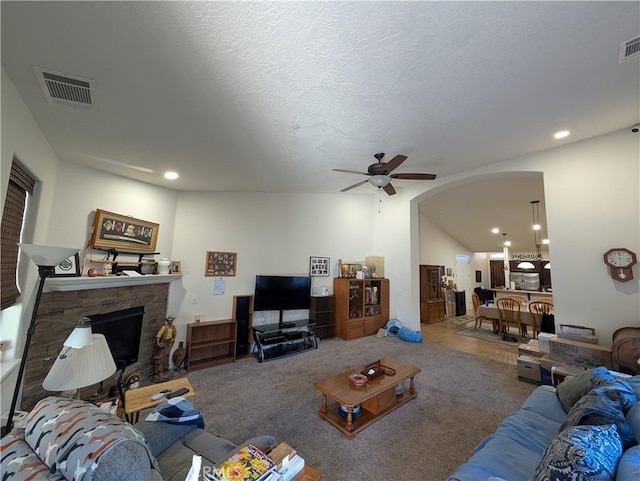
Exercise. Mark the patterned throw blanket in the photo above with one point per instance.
(177, 410)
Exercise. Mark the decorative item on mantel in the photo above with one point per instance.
(164, 266)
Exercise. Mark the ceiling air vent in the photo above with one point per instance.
(65, 89)
(629, 49)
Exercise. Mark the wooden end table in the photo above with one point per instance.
(376, 398)
(136, 400)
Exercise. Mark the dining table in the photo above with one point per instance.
(491, 312)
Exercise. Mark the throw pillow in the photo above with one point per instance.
(573, 388)
(581, 453)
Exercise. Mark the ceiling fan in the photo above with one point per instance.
(380, 175)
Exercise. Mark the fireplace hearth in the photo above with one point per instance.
(68, 307)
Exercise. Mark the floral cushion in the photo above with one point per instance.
(581, 453)
(83, 443)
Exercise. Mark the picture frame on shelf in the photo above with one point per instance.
(319, 266)
(149, 267)
(116, 231)
(68, 268)
(220, 264)
(175, 268)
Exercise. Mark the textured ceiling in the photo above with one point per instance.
(270, 96)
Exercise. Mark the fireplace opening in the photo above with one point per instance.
(123, 332)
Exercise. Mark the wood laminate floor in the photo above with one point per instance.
(444, 334)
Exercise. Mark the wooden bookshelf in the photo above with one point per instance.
(210, 343)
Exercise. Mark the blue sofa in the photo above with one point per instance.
(589, 425)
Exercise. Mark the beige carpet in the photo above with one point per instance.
(461, 399)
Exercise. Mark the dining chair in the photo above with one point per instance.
(509, 314)
(476, 303)
(537, 309)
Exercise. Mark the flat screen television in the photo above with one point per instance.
(123, 332)
(282, 293)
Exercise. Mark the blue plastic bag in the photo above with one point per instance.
(409, 335)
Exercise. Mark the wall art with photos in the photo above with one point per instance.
(319, 266)
(115, 231)
(68, 268)
(218, 264)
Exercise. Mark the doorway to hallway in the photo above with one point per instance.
(463, 279)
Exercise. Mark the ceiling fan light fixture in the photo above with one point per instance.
(379, 180)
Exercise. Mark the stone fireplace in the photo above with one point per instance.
(67, 307)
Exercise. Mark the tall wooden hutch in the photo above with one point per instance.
(432, 301)
(361, 306)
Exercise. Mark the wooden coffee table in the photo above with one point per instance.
(376, 398)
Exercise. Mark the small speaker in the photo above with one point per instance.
(461, 304)
(242, 315)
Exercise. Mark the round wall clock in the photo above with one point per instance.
(620, 261)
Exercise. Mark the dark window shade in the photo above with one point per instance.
(20, 185)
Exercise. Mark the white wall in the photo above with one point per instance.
(271, 233)
(592, 197)
(80, 191)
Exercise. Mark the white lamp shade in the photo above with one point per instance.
(81, 334)
(82, 367)
(47, 255)
(379, 180)
(526, 265)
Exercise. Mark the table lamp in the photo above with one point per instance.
(76, 368)
(46, 258)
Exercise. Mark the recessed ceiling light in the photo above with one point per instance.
(545, 241)
(171, 175)
(495, 230)
(561, 135)
(507, 243)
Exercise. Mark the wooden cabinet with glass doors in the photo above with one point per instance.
(432, 302)
(361, 306)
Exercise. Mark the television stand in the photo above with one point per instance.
(273, 341)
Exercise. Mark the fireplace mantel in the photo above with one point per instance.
(66, 284)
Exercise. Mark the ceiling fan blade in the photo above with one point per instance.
(354, 185)
(394, 163)
(413, 176)
(350, 171)
(389, 189)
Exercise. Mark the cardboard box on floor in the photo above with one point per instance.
(580, 353)
(531, 348)
(553, 372)
(543, 341)
(529, 369)
(578, 333)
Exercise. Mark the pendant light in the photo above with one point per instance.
(536, 236)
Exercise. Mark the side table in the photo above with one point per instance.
(136, 400)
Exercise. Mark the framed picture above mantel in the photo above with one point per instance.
(116, 231)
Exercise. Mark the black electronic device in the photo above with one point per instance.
(177, 393)
(282, 293)
(242, 314)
